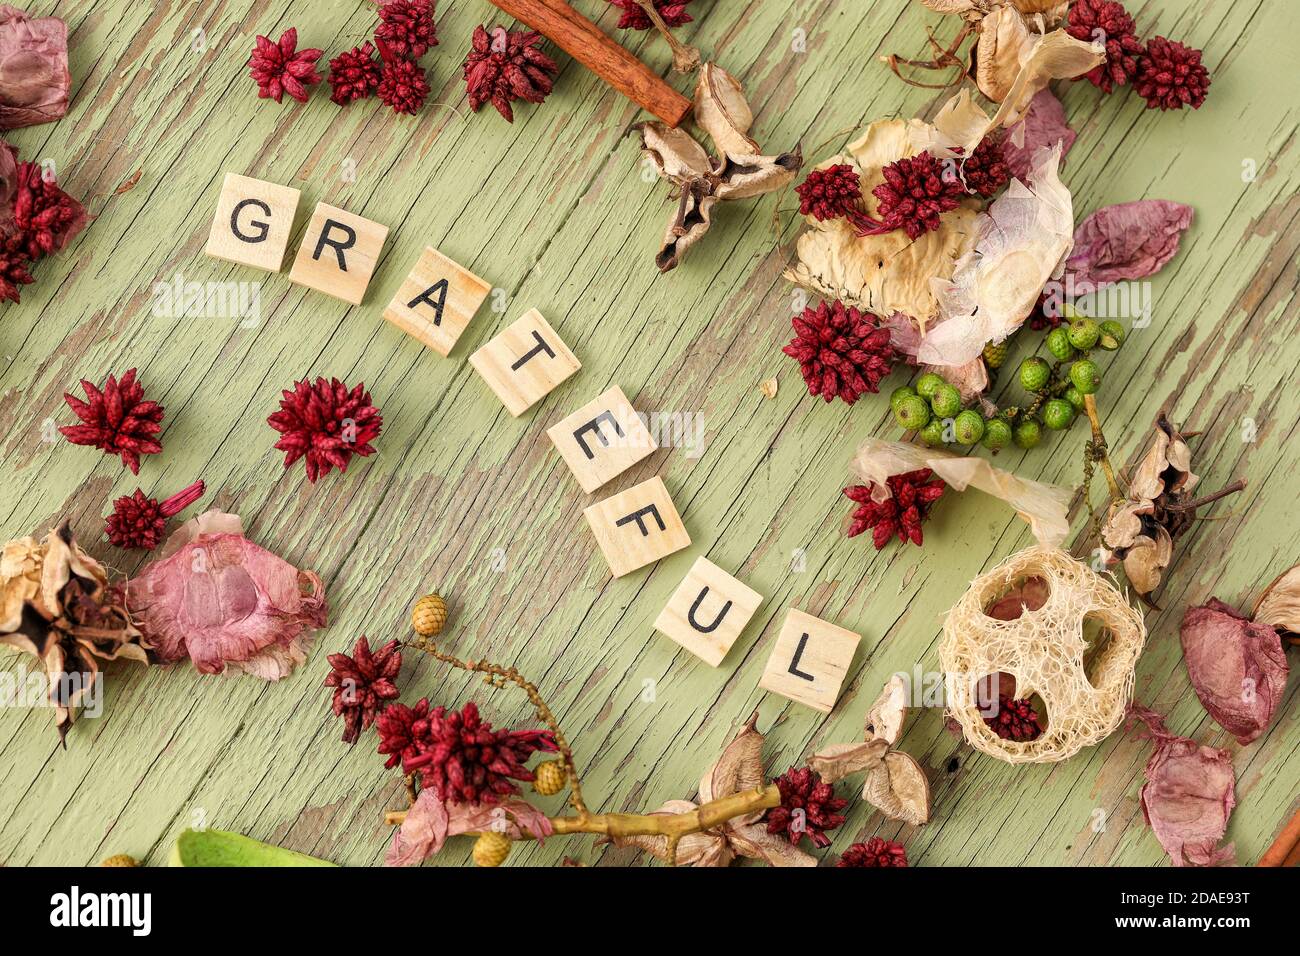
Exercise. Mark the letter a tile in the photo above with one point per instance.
(708, 611)
(252, 223)
(602, 439)
(437, 300)
(809, 661)
(524, 362)
(339, 253)
(637, 527)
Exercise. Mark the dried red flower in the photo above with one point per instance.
(841, 351)
(808, 807)
(507, 65)
(916, 191)
(458, 754)
(406, 27)
(138, 522)
(326, 424)
(354, 74)
(1047, 314)
(280, 68)
(363, 684)
(1016, 719)
(672, 12)
(1109, 22)
(117, 420)
(44, 216)
(986, 170)
(912, 494)
(832, 193)
(1171, 76)
(875, 852)
(13, 267)
(403, 86)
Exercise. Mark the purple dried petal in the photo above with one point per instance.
(1237, 668)
(1130, 240)
(34, 77)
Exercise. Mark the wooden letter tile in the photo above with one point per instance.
(809, 661)
(524, 362)
(637, 526)
(338, 254)
(436, 301)
(602, 439)
(252, 223)
(708, 611)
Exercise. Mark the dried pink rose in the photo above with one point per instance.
(1188, 795)
(34, 77)
(8, 180)
(1043, 125)
(1237, 668)
(1131, 240)
(430, 821)
(220, 599)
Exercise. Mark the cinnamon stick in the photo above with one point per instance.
(585, 42)
(1285, 850)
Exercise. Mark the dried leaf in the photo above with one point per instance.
(1022, 242)
(674, 153)
(1056, 56)
(886, 717)
(837, 761)
(739, 768)
(1129, 240)
(1237, 667)
(1002, 45)
(1188, 795)
(898, 788)
(58, 607)
(753, 841)
(430, 821)
(1279, 605)
(1044, 507)
(722, 111)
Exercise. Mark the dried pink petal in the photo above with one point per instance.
(220, 599)
(34, 77)
(1042, 126)
(431, 821)
(1188, 795)
(1130, 240)
(1237, 667)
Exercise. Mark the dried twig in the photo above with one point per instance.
(686, 59)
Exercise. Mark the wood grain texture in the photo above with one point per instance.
(553, 211)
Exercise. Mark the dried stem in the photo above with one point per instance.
(944, 59)
(499, 676)
(1098, 448)
(686, 59)
(1195, 503)
(674, 826)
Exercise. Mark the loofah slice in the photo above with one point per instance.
(1024, 621)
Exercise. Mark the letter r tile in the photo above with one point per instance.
(708, 611)
(339, 253)
(809, 661)
(637, 527)
(437, 301)
(602, 439)
(253, 222)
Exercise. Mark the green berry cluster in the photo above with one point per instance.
(1059, 391)
(933, 410)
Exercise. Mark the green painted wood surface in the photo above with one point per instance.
(554, 211)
